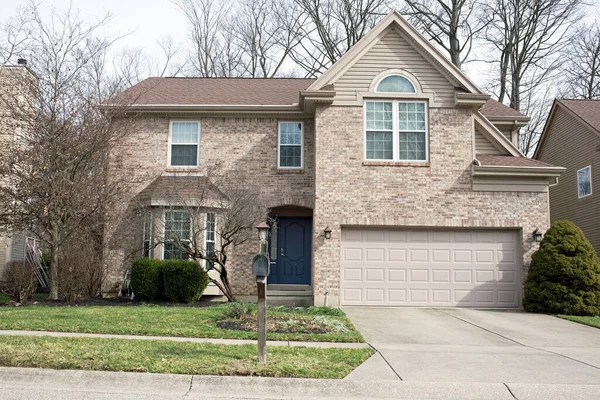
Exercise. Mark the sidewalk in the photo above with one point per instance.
(19, 383)
(278, 343)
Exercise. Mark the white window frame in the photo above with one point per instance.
(591, 186)
(301, 144)
(171, 122)
(401, 75)
(396, 130)
(164, 228)
(206, 240)
(147, 239)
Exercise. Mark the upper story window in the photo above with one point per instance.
(396, 84)
(396, 130)
(184, 144)
(290, 149)
(584, 181)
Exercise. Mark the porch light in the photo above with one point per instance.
(327, 233)
(537, 235)
(263, 231)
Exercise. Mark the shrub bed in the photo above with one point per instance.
(179, 280)
(564, 275)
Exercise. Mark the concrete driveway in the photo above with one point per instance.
(465, 345)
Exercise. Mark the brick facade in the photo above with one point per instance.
(350, 193)
(244, 147)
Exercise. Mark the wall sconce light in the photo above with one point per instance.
(263, 231)
(537, 235)
(327, 233)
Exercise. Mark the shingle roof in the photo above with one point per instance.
(177, 189)
(493, 108)
(510, 161)
(214, 91)
(588, 110)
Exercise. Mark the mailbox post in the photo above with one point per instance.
(260, 269)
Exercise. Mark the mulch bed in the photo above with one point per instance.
(109, 301)
(275, 324)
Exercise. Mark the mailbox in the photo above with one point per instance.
(260, 265)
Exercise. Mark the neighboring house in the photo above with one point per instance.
(571, 138)
(412, 168)
(12, 247)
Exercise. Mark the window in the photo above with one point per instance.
(396, 84)
(290, 149)
(177, 229)
(185, 144)
(396, 130)
(584, 182)
(147, 239)
(209, 241)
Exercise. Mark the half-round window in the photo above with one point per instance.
(396, 84)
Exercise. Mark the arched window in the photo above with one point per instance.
(396, 84)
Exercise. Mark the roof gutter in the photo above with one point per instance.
(205, 108)
(520, 171)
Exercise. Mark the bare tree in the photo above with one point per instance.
(15, 36)
(206, 221)
(56, 164)
(451, 24)
(331, 28)
(582, 69)
(526, 38)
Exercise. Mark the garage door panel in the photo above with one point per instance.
(429, 267)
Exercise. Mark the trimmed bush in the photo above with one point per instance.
(146, 278)
(564, 276)
(184, 280)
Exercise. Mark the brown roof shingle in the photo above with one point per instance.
(214, 91)
(588, 110)
(177, 189)
(510, 161)
(493, 108)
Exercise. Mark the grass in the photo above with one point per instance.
(178, 358)
(5, 298)
(591, 321)
(153, 320)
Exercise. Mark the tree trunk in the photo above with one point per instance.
(54, 265)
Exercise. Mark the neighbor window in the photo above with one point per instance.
(185, 144)
(396, 84)
(209, 239)
(290, 149)
(147, 239)
(396, 130)
(584, 181)
(177, 231)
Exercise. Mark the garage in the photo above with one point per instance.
(431, 267)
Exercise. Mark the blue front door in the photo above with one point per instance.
(292, 265)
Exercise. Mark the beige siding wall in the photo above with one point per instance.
(241, 147)
(393, 52)
(484, 146)
(4, 248)
(350, 193)
(570, 144)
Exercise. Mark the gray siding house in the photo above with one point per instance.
(571, 138)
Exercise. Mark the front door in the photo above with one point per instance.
(291, 251)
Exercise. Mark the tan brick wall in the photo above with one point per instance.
(350, 193)
(245, 147)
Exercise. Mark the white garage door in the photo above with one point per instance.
(412, 267)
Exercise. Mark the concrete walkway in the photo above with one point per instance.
(478, 346)
(276, 343)
(34, 384)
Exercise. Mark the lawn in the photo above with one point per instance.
(591, 321)
(155, 320)
(177, 358)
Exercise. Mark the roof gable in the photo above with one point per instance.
(421, 45)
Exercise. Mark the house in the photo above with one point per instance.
(412, 171)
(13, 246)
(571, 138)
